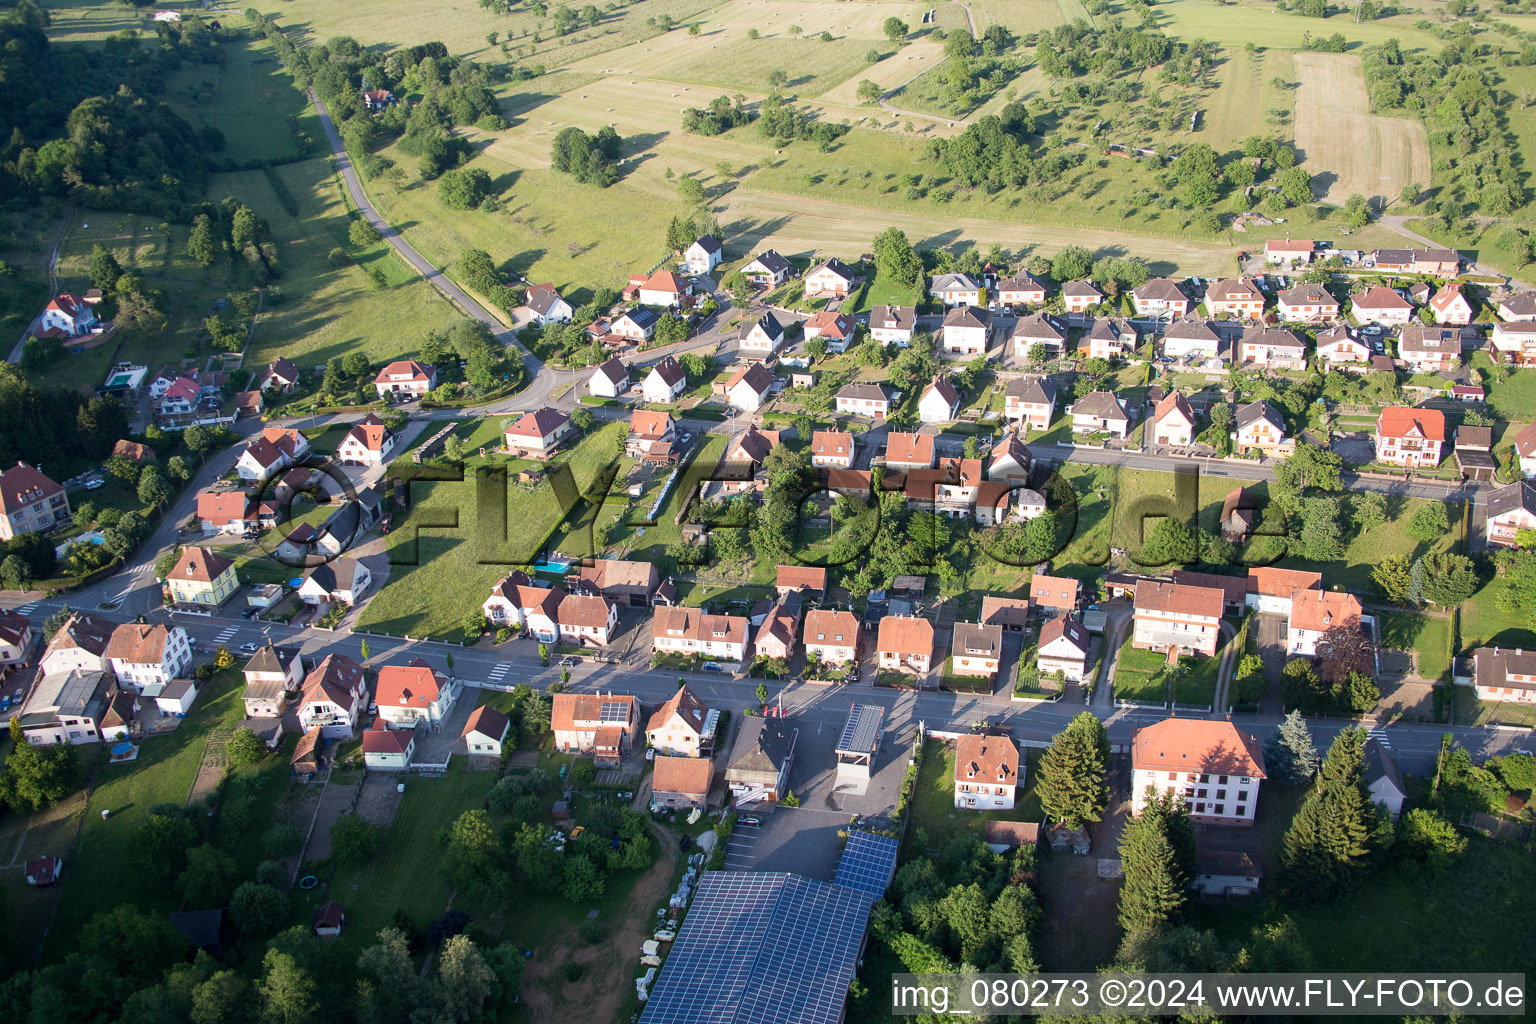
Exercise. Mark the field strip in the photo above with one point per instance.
(1346, 148)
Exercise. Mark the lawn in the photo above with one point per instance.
(461, 536)
(248, 97)
(1485, 624)
(103, 860)
(932, 808)
(1427, 636)
(1139, 675)
(882, 291)
(1198, 687)
(1513, 398)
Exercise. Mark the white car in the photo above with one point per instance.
(248, 648)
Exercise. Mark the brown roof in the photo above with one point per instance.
(909, 448)
(1044, 590)
(808, 577)
(691, 775)
(754, 375)
(84, 631)
(370, 432)
(1012, 833)
(138, 644)
(487, 720)
(977, 640)
(307, 747)
(1380, 297)
(1197, 745)
(1233, 288)
(539, 423)
(1179, 599)
(335, 679)
(570, 709)
(988, 759)
(685, 705)
(1065, 626)
(582, 611)
(648, 423)
(222, 507)
(387, 741)
(824, 625)
(905, 635)
(23, 485)
(1321, 610)
(1004, 611)
(133, 451)
(605, 574)
(832, 442)
(407, 686)
(1234, 589)
(1268, 581)
(200, 566)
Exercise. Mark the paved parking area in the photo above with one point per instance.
(799, 839)
(813, 776)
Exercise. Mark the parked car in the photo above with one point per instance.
(248, 648)
(750, 819)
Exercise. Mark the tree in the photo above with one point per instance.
(154, 488)
(582, 419)
(177, 468)
(244, 749)
(16, 571)
(1427, 837)
(1308, 466)
(1369, 510)
(200, 244)
(1342, 651)
(1171, 542)
(581, 881)
(208, 878)
(286, 991)
(1360, 692)
(257, 909)
(1357, 212)
(869, 92)
(896, 259)
(1337, 828)
(1393, 577)
(161, 842)
(1289, 752)
(198, 438)
(104, 269)
(1410, 194)
(1429, 522)
(895, 29)
(1072, 263)
(392, 972)
(1156, 875)
(465, 982)
(1448, 578)
(353, 840)
(690, 190)
(35, 777)
(1072, 783)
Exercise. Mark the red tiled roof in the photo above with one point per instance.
(1397, 421)
(690, 775)
(407, 686)
(987, 759)
(905, 635)
(1197, 745)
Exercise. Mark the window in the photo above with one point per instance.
(1245, 780)
(1242, 796)
(1221, 809)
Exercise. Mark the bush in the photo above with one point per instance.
(591, 931)
(257, 909)
(281, 840)
(270, 872)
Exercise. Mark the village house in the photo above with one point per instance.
(414, 694)
(1273, 590)
(1504, 675)
(648, 430)
(702, 256)
(375, 100)
(637, 324)
(830, 636)
(1275, 347)
(80, 645)
(836, 329)
(340, 581)
(1314, 613)
(966, 330)
(1159, 297)
(1383, 780)
(1450, 306)
(368, 443)
(73, 708)
(485, 732)
(1381, 305)
(808, 580)
(767, 270)
(1430, 349)
(955, 290)
(272, 674)
(145, 658)
(609, 380)
(1037, 329)
(503, 607)
(1100, 412)
(1109, 338)
(908, 451)
(680, 783)
(587, 620)
(1226, 873)
(663, 289)
(1409, 437)
(1511, 508)
(201, 581)
(1261, 428)
(683, 727)
(539, 431)
(282, 375)
(334, 697)
(745, 455)
(67, 316)
(274, 451)
(1174, 617)
(1284, 251)
(1064, 646)
(1525, 451)
(832, 448)
(1338, 348)
(716, 638)
(1307, 303)
(865, 399)
(1030, 401)
(758, 764)
(31, 502)
(780, 629)
(604, 725)
(1518, 307)
(905, 643)
(1078, 296)
(1239, 515)
(546, 305)
(627, 583)
(888, 324)
(405, 378)
(1173, 422)
(748, 387)
(665, 382)
(832, 279)
(940, 402)
(1009, 460)
(1191, 338)
(1515, 342)
(540, 611)
(976, 649)
(1022, 289)
(762, 337)
(986, 772)
(1236, 297)
(386, 749)
(1214, 767)
(1474, 452)
(15, 639)
(1011, 613)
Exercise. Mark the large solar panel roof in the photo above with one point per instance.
(867, 863)
(761, 948)
(862, 733)
(613, 711)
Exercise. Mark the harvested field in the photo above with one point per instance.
(1346, 148)
(896, 70)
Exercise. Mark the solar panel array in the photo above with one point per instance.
(761, 948)
(868, 862)
(862, 733)
(613, 711)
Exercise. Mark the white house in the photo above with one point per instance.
(1314, 613)
(271, 674)
(334, 697)
(1100, 412)
(1077, 296)
(1213, 766)
(761, 338)
(176, 698)
(1109, 338)
(388, 749)
(663, 288)
(832, 448)
(1159, 297)
(665, 382)
(955, 290)
(940, 402)
(1503, 674)
(504, 607)
(637, 324)
(1236, 297)
(1409, 437)
(275, 450)
(68, 316)
(966, 329)
(986, 772)
(1064, 646)
(1337, 348)
(1520, 306)
(587, 620)
(832, 636)
(1511, 508)
(702, 256)
(1037, 328)
(546, 305)
(1307, 302)
(1381, 305)
(1173, 422)
(682, 727)
(145, 658)
(767, 270)
(1177, 617)
(748, 387)
(538, 431)
(540, 608)
(1274, 347)
(1261, 428)
(892, 324)
(341, 581)
(1515, 342)
(485, 732)
(1189, 338)
(405, 377)
(410, 694)
(1383, 779)
(368, 443)
(610, 380)
(865, 399)
(1022, 289)
(682, 630)
(1030, 401)
(831, 279)
(1450, 306)
(80, 645)
(1430, 349)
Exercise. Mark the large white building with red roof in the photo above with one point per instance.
(30, 502)
(67, 316)
(408, 695)
(1214, 767)
(1410, 437)
(405, 377)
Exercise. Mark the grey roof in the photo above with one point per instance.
(271, 659)
(541, 299)
(958, 282)
(337, 574)
(975, 638)
(1380, 764)
(1491, 666)
(1191, 329)
(1038, 326)
(1393, 255)
(968, 316)
(1523, 304)
(1521, 494)
(769, 323)
(762, 745)
(1102, 404)
(641, 316)
(1081, 288)
(64, 693)
(1110, 329)
(1160, 288)
(770, 261)
(1260, 410)
(1031, 391)
(861, 734)
(1227, 862)
(1429, 340)
(670, 371)
(176, 689)
(1023, 281)
(893, 318)
(1273, 337)
(762, 948)
(866, 389)
(837, 267)
(709, 243)
(1307, 295)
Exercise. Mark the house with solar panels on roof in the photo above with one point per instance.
(603, 725)
(859, 745)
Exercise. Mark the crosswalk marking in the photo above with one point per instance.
(1380, 735)
(499, 671)
(26, 609)
(226, 634)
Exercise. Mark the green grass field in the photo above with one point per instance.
(447, 553)
(1139, 675)
(1427, 635)
(932, 807)
(249, 98)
